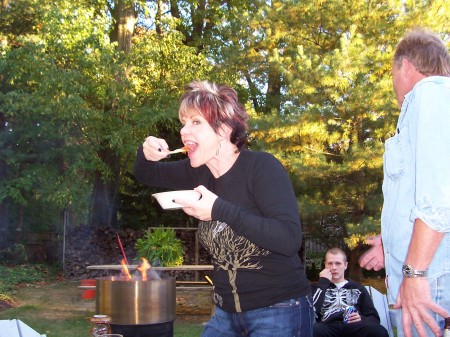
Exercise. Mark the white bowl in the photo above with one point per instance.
(165, 199)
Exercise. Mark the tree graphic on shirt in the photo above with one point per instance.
(230, 251)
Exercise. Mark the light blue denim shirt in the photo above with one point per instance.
(417, 178)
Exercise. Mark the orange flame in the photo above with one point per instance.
(125, 271)
(143, 268)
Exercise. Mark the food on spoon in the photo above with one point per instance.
(184, 149)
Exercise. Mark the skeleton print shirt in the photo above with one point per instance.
(330, 301)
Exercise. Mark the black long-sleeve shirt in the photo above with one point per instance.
(330, 302)
(255, 234)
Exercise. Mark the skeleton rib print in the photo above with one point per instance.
(336, 300)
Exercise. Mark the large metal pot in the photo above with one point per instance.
(136, 302)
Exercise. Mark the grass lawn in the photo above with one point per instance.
(55, 307)
(78, 325)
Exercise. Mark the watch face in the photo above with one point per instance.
(407, 271)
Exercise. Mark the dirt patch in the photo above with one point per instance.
(5, 305)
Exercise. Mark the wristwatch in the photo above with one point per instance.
(410, 272)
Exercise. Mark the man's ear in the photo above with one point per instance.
(408, 67)
(406, 63)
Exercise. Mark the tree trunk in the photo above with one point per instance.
(273, 95)
(103, 203)
(125, 18)
(3, 208)
(104, 197)
(274, 84)
(354, 270)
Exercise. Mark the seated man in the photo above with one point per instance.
(333, 295)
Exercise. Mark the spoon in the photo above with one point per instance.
(184, 149)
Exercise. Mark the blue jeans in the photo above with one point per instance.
(440, 293)
(291, 318)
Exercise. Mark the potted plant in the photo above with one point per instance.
(161, 247)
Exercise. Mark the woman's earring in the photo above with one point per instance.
(218, 148)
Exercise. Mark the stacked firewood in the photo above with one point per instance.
(87, 246)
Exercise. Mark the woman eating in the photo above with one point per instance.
(248, 216)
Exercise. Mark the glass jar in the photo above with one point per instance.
(100, 325)
(447, 327)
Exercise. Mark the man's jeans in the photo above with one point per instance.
(291, 318)
(440, 293)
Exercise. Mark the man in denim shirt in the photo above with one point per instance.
(415, 223)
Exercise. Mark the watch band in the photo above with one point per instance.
(410, 272)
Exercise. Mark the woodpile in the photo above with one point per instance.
(87, 246)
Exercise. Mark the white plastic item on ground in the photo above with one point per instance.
(17, 328)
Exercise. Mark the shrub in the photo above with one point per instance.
(161, 247)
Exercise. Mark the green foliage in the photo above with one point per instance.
(161, 247)
(357, 233)
(14, 255)
(24, 274)
(314, 74)
(333, 61)
(314, 264)
(314, 260)
(76, 107)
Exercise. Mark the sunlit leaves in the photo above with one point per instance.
(338, 105)
(81, 106)
(358, 232)
(314, 74)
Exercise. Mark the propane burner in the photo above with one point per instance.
(147, 330)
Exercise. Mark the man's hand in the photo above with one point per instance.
(414, 297)
(415, 301)
(374, 257)
(354, 317)
(326, 273)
